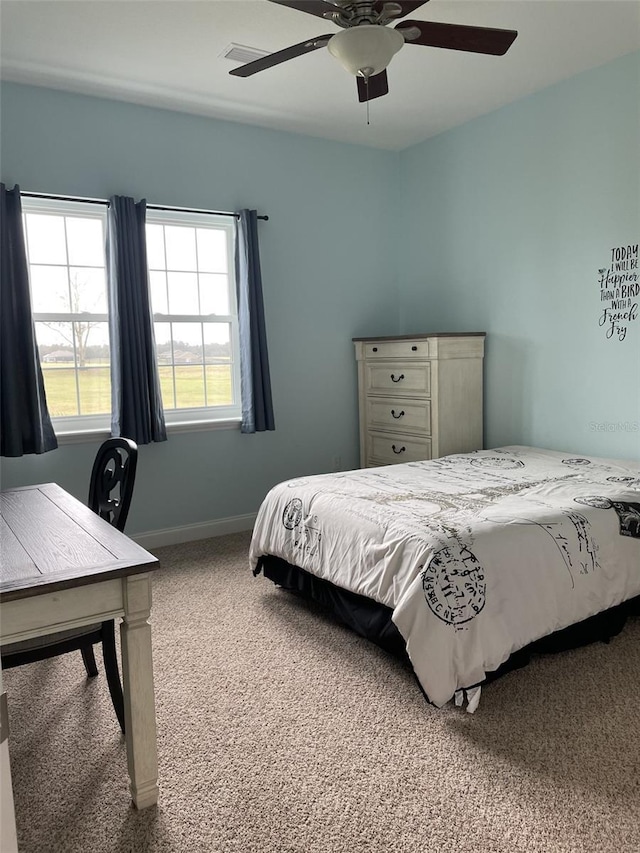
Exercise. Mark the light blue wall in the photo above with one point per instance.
(505, 223)
(499, 226)
(329, 270)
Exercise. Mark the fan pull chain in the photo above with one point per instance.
(366, 83)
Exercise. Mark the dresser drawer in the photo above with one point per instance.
(398, 378)
(396, 349)
(387, 448)
(394, 413)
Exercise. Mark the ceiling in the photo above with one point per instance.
(169, 53)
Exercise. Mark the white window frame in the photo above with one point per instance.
(62, 207)
(202, 415)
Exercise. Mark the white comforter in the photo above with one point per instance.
(477, 554)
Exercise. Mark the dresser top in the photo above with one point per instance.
(423, 335)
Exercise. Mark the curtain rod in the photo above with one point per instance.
(149, 206)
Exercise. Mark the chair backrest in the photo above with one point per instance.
(112, 479)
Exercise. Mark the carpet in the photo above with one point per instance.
(280, 731)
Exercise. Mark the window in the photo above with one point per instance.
(66, 258)
(195, 316)
(193, 302)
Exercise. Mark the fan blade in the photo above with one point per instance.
(280, 56)
(408, 6)
(313, 7)
(377, 86)
(458, 37)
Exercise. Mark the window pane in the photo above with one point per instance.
(181, 248)
(183, 293)
(92, 344)
(162, 332)
(166, 387)
(212, 250)
(60, 388)
(158, 286)
(45, 239)
(218, 385)
(217, 343)
(155, 247)
(95, 390)
(57, 359)
(49, 289)
(214, 294)
(55, 343)
(88, 290)
(189, 386)
(187, 343)
(85, 241)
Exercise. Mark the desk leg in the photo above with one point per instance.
(139, 704)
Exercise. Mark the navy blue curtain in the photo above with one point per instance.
(255, 382)
(25, 425)
(136, 402)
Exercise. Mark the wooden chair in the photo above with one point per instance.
(110, 491)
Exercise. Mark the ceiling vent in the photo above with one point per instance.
(242, 53)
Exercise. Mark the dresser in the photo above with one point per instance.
(420, 396)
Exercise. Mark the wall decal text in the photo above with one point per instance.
(619, 291)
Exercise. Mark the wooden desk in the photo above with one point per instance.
(64, 567)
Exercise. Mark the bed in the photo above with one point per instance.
(465, 564)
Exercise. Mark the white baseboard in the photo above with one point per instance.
(191, 532)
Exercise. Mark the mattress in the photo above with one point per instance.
(476, 555)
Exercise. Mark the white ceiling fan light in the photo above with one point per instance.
(365, 50)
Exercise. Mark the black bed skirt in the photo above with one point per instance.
(373, 620)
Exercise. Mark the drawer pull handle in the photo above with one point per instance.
(393, 378)
(402, 449)
(414, 349)
(375, 349)
(393, 414)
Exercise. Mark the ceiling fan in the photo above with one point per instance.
(366, 45)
